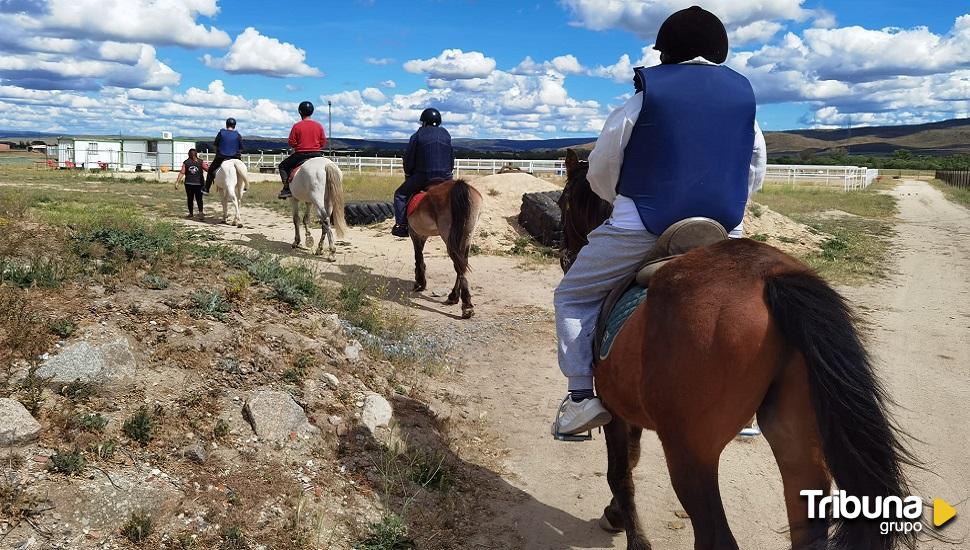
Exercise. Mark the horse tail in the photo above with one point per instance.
(242, 173)
(335, 193)
(458, 237)
(862, 446)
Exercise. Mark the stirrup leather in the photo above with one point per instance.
(559, 436)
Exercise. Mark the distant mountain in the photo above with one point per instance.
(937, 138)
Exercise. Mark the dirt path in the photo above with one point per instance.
(507, 384)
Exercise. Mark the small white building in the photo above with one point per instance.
(126, 153)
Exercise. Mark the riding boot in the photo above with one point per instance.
(400, 228)
(285, 192)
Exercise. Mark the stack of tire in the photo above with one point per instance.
(366, 213)
(541, 218)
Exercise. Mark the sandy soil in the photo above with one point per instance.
(507, 385)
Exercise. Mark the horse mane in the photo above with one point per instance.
(582, 211)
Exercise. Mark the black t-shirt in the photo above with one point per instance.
(193, 172)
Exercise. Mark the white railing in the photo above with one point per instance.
(394, 165)
(847, 177)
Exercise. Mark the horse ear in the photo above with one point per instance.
(572, 160)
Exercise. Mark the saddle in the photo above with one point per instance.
(623, 300)
(415, 201)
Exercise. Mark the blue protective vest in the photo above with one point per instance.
(228, 142)
(690, 150)
(429, 154)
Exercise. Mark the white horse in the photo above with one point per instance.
(319, 186)
(231, 181)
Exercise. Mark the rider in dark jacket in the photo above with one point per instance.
(429, 156)
(229, 145)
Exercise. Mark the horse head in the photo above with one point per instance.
(582, 210)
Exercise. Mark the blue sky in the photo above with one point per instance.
(495, 68)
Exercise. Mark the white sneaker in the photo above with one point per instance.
(575, 418)
(750, 431)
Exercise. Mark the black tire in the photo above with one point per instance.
(541, 218)
(366, 213)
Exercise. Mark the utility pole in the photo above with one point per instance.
(330, 127)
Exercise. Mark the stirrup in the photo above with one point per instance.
(559, 436)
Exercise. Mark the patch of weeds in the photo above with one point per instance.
(788, 240)
(229, 365)
(757, 210)
(475, 250)
(23, 332)
(186, 541)
(300, 369)
(834, 247)
(41, 272)
(31, 393)
(494, 192)
(221, 429)
(141, 425)
(520, 246)
(78, 391)
(154, 281)
(104, 450)
(91, 422)
(206, 303)
(139, 527)
(234, 537)
(237, 286)
(760, 237)
(427, 470)
(391, 533)
(63, 327)
(67, 462)
(15, 503)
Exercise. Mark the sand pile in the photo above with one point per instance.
(781, 231)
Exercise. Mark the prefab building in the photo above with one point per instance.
(88, 152)
(171, 152)
(126, 153)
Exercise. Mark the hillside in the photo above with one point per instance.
(947, 137)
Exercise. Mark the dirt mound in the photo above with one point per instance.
(763, 224)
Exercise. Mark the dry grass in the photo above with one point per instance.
(955, 194)
(860, 224)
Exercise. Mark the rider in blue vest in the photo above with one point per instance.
(686, 144)
(229, 145)
(429, 156)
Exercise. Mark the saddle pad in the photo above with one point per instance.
(415, 202)
(624, 307)
(293, 172)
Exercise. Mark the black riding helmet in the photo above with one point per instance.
(306, 109)
(230, 122)
(431, 117)
(689, 33)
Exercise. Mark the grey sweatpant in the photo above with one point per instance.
(611, 255)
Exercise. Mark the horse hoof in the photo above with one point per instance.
(451, 301)
(239, 225)
(418, 287)
(605, 525)
(467, 313)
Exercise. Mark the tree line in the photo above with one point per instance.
(899, 160)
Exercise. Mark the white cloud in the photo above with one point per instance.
(387, 84)
(453, 64)
(758, 31)
(643, 17)
(167, 22)
(622, 70)
(380, 60)
(373, 95)
(253, 53)
(58, 72)
(214, 96)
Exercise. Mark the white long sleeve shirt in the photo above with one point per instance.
(606, 160)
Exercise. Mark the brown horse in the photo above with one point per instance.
(727, 331)
(450, 209)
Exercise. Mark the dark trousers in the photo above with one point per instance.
(296, 159)
(413, 185)
(210, 176)
(193, 191)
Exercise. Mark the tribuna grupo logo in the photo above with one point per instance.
(897, 515)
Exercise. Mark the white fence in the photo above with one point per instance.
(394, 165)
(847, 177)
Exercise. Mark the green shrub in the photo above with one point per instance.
(140, 426)
(391, 533)
(206, 303)
(63, 327)
(153, 281)
(139, 526)
(67, 462)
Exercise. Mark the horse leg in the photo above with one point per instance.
(235, 205)
(295, 207)
(693, 471)
(420, 281)
(467, 308)
(225, 206)
(326, 235)
(787, 419)
(623, 453)
(306, 223)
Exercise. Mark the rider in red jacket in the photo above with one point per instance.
(307, 140)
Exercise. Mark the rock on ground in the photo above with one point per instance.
(352, 351)
(17, 426)
(274, 415)
(103, 364)
(377, 412)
